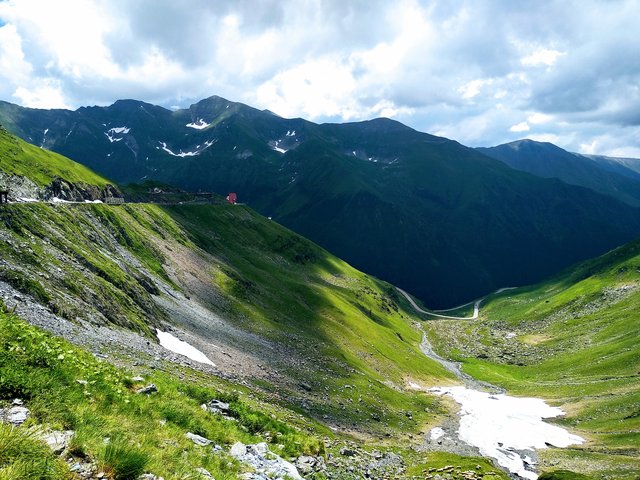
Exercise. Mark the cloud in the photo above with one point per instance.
(480, 72)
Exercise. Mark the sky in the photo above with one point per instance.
(482, 72)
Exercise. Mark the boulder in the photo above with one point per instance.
(151, 388)
(198, 440)
(57, 440)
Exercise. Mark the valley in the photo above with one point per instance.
(326, 365)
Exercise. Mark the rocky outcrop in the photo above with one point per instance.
(265, 463)
(79, 192)
(20, 187)
(15, 415)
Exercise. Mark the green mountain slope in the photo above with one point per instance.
(426, 213)
(572, 339)
(549, 161)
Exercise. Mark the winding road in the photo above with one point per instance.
(476, 306)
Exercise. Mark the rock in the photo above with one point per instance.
(15, 415)
(307, 464)
(204, 473)
(216, 406)
(238, 449)
(137, 379)
(347, 452)
(57, 440)
(264, 462)
(198, 440)
(149, 476)
(151, 388)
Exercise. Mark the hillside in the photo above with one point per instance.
(609, 176)
(31, 172)
(311, 355)
(572, 339)
(423, 212)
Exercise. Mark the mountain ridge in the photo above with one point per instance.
(439, 219)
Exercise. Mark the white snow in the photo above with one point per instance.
(276, 147)
(199, 124)
(44, 137)
(498, 424)
(116, 131)
(176, 345)
(197, 151)
(290, 133)
(436, 433)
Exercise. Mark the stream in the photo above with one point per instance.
(504, 428)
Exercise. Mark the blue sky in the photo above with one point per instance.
(482, 72)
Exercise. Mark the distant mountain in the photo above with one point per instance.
(436, 218)
(619, 178)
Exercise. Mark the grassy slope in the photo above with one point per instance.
(354, 347)
(18, 157)
(575, 344)
(45, 372)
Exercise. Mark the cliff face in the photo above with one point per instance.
(78, 192)
(21, 187)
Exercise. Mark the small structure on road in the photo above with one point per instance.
(232, 198)
(4, 196)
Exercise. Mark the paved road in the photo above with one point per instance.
(438, 313)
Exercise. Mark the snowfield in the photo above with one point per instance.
(504, 427)
(176, 345)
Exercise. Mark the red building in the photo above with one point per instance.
(232, 198)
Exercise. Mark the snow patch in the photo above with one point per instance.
(176, 345)
(274, 145)
(290, 133)
(436, 433)
(501, 426)
(112, 132)
(193, 153)
(199, 124)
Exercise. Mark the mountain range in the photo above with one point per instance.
(441, 220)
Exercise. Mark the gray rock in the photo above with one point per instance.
(238, 449)
(347, 452)
(151, 388)
(204, 473)
(137, 379)
(307, 464)
(216, 406)
(57, 440)
(198, 440)
(15, 415)
(265, 463)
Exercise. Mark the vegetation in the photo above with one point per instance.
(67, 388)
(571, 340)
(405, 206)
(18, 157)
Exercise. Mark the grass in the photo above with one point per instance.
(25, 457)
(146, 432)
(573, 341)
(122, 461)
(18, 157)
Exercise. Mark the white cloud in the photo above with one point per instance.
(542, 56)
(539, 118)
(520, 127)
(429, 64)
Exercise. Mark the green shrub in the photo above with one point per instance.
(563, 475)
(122, 461)
(25, 457)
